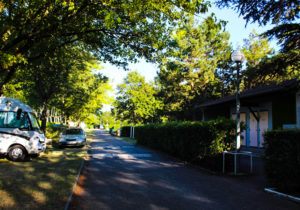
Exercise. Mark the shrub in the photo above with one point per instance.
(282, 159)
(190, 141)
(126, 131)
(53, 130)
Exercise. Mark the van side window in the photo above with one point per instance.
(9, 120)
(2, 119)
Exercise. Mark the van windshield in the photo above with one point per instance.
(34, 122)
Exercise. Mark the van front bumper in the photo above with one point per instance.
(39, 148)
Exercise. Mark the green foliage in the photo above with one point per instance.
(187, 69)
(283, 14)
(64, 80)
(282, 159)
(287, 35)
(256, 48)
(109, 120)
(83, 95)
(280, 67)
(190, 141)
(117, 31)
(52, 133)
(126, 131)
(136, 101)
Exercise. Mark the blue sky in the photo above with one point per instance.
(235, 26)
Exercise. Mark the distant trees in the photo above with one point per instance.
(136, 101)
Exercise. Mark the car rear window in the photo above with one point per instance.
(73, 131)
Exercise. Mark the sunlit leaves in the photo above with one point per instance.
(136, 101)
(189, 65)
(117, 31)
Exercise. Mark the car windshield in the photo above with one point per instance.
(73, 132)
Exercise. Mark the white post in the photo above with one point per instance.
(133, 132)
(238, 127)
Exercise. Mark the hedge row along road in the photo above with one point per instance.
(119, 175)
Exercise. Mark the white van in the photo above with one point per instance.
(20, 134)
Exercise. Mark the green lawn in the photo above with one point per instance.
(41, 183)
(130, 140)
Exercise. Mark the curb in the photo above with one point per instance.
(290, 197)
(75, 184)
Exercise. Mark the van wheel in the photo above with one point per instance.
(17, 153)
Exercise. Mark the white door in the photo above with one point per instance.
(253, 128)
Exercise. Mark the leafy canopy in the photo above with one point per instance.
(284, 14)
(189, 66)
(117, 31)
(136, 101)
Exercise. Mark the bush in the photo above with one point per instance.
(53, 130)
(200, 142)
(126, 131)
(111, 130)
(282, 159)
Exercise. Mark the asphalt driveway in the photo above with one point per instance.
(119, 175)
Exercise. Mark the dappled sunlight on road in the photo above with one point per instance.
(128, 176)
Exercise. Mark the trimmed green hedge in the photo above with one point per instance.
(282, 159)
(126, 131)
(190, 141)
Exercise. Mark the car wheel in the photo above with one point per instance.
(17, 153)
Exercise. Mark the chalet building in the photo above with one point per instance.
(275, 106)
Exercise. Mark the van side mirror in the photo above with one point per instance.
(19, 112)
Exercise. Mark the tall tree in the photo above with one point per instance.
(188, 69)
(117, 31)
(257, 50)
(83, 95)
(283, 14)
(44, 81)
(136, 100)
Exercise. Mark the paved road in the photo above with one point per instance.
(119, 175)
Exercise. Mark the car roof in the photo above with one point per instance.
(74, 128)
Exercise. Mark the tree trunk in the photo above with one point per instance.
(44, 117)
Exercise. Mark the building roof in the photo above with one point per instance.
(264, 90)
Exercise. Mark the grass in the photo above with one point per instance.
(41, 183)
(127, 139)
